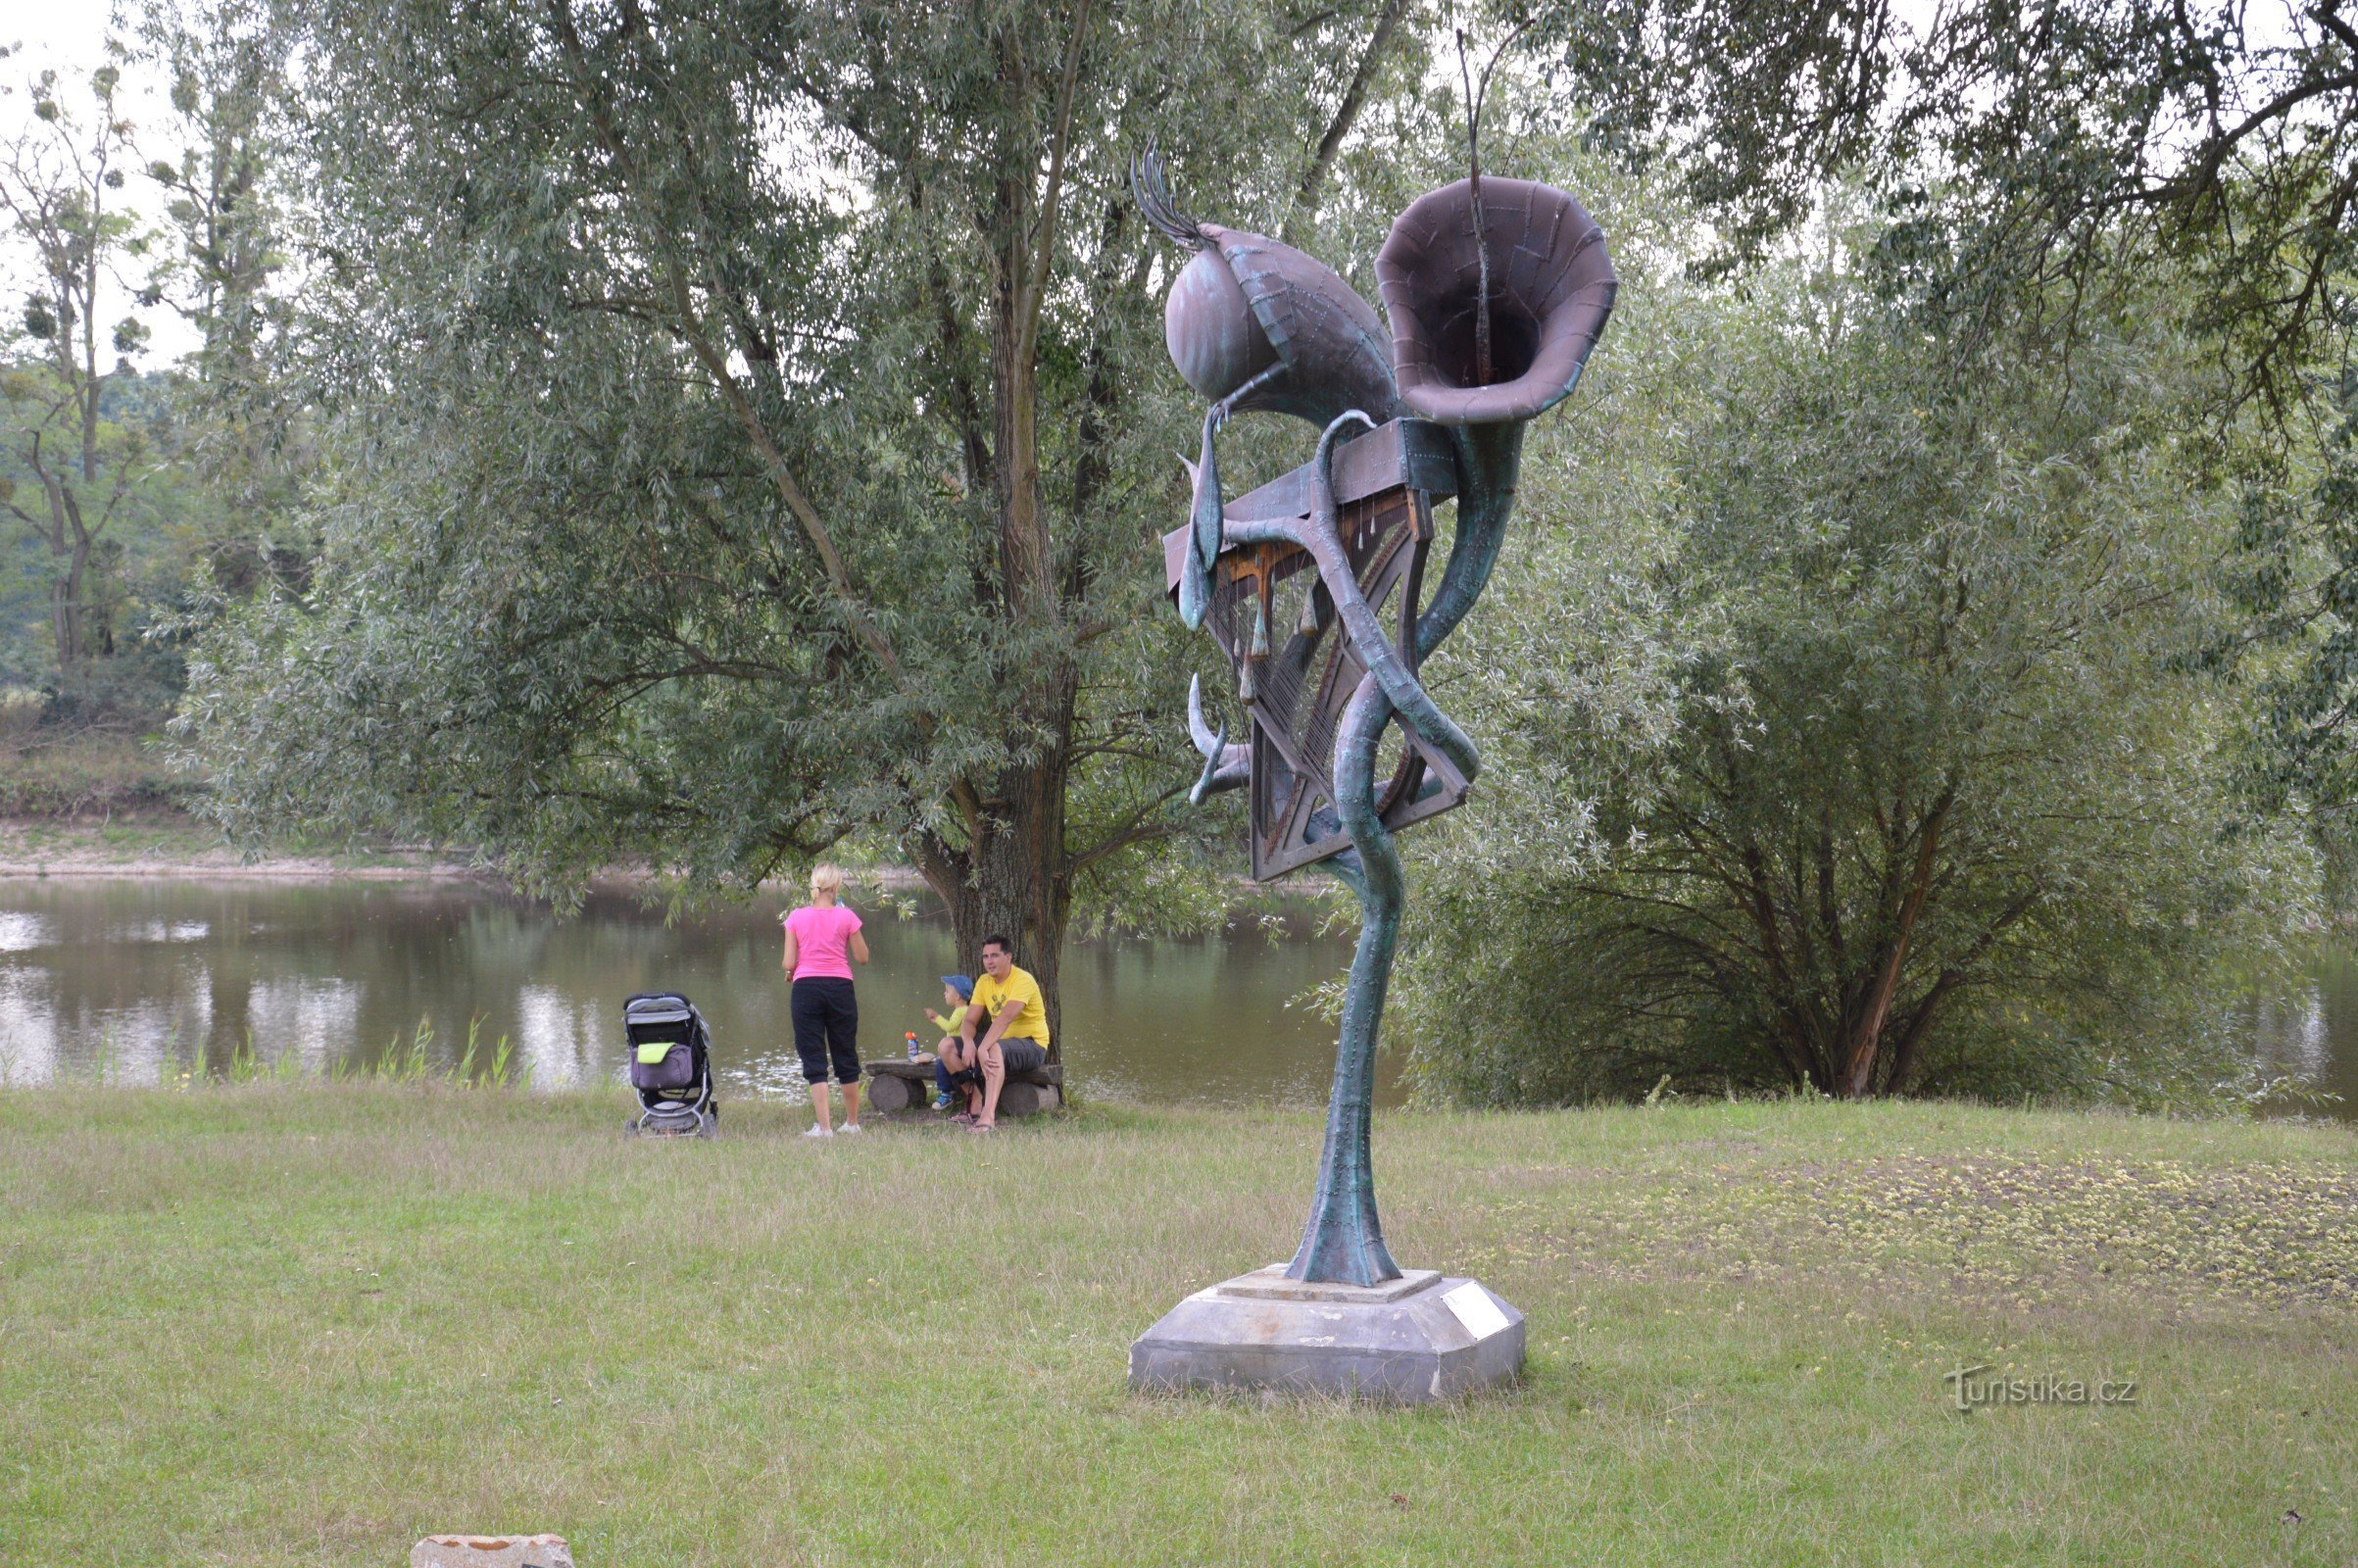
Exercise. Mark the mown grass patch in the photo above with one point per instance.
(278, 1324)
(2029, 1231)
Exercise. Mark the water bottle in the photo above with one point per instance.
(913, 1052)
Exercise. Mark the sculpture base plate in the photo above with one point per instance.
(1422, 1337)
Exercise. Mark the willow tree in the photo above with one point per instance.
(2033, 160)
(219, 162)
(1867, 752)
(748, 430)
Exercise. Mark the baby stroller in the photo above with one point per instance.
(670, 1065)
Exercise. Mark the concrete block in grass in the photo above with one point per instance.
(491, 1552)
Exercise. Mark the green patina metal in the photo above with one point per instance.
(1255, 325)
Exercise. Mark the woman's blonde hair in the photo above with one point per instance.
(826, 879)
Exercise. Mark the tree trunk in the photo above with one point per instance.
(1866, 1044)
(1013, 879)
(65, 596)
(66, 609)
(1347, 115)
(1013, 883)
(61, 627)
(75, 625)
(1018, 883)
(1907, 1052)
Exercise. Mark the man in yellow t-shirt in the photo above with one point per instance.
(1005, 1031)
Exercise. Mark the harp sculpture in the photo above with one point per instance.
(1313, 586)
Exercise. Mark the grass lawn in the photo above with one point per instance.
(306, 1324)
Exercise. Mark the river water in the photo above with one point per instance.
(2309, 1041)
(141, 981)
(144, 980)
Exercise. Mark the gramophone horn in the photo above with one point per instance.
(1551, 290)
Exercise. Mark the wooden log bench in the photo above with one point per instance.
(897, 1085)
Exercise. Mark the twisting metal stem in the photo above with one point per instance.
(1489, 460)
(1409, 700)
(1344, 1242)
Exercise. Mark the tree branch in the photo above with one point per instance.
(1035, 287)
(1132, 830)
(1347, 115)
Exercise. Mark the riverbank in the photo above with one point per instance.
(154, 844)
(171, 844)
(306, 1324)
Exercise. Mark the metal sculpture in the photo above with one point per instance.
(1253, 324)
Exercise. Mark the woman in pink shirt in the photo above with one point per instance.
(822, 942)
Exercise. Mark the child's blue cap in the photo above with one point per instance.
(963, 985)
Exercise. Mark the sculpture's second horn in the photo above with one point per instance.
(1551, 290)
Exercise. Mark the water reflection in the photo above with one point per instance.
(148, 980)
(2310, 1039)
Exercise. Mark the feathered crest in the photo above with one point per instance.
(1151, 186)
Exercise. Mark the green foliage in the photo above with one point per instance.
(101, 518)
(747, 435)
(2044, 162)
(135, 572)
(2292, 574)
(2093, 140)
(56, 770)
(1850, 735)
(229, 199)
(72, 463)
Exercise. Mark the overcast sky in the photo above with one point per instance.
(72, 32)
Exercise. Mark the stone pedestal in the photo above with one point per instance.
(1422, 1337)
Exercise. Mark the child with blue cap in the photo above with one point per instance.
(958, 995)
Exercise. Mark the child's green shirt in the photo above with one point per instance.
(949, 1034)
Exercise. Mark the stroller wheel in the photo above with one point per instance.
(630, 1126)
(707, 1125)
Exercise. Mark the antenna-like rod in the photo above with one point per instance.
(1475, 95)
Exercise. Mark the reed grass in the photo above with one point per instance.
(406, 1060)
